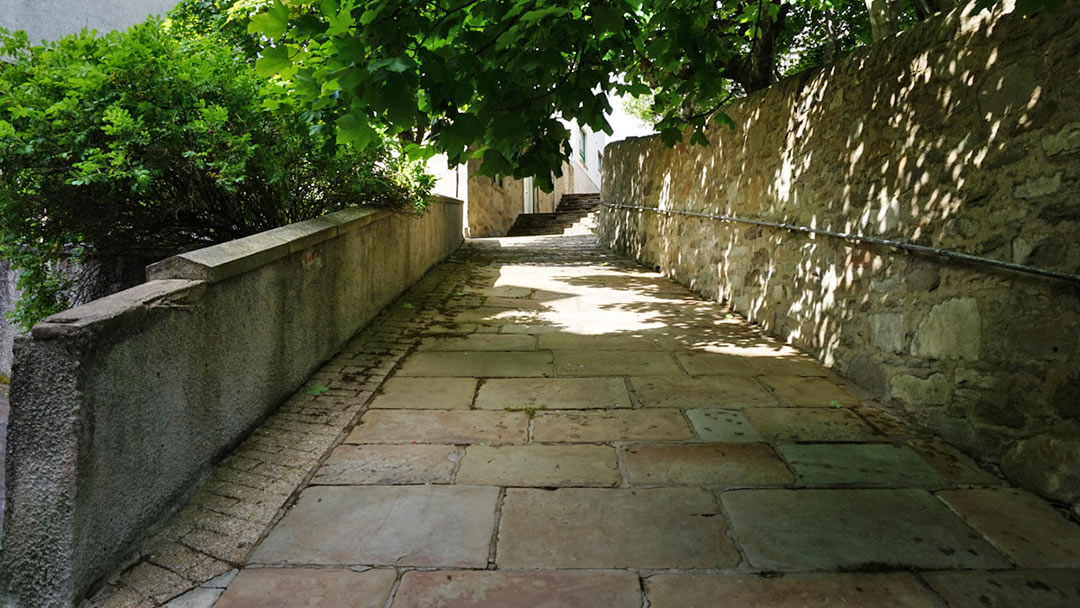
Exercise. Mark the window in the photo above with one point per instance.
(583, 147)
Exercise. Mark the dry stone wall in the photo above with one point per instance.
(962, 134)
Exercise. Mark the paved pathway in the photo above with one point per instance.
(568, 429)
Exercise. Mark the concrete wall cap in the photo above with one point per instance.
(104, 312)
(232, 258)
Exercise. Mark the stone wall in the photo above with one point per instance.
(963, 134)
(119, 406)
(491, 206)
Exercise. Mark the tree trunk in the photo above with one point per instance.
(882, 18)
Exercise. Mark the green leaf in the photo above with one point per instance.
(544, 13)
(723, 119)
(835, 404)
(408, 306)
(273, 61)
(316, 390)
(607, 18)
(355, 131)
(273, 23)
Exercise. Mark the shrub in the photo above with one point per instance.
(140, 144)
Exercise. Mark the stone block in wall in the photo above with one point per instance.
(951, 330)
(913, 390)
(887, 331)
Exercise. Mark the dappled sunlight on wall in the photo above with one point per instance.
(959, 134)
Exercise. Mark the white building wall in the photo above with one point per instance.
(52, 19)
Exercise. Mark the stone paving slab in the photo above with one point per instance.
(808, 392)
(613, 528)
(494, 315)
(886, 465)
(732, 464)
(810, 424)
(478, 364)
(788, 591)
(612, 425)
(440, 426)
(853, 529)
(1027, 529)
(727, 426)
(614, 363)
(515, 303)
(424, 526)
(1007, 589)
(697, 363)
(480, 342)
(426, 393)
(502, 589)
(951, 464)
(553, 393)
(567, 341)
(702, 392)
(388, 465)
(308, 587)
(540, 466)
(787, 365)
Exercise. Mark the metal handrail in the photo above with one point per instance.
(967, 257)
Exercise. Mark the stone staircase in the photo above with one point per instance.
(575, 215)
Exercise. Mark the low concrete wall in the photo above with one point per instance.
(961, 134)
(120, 406)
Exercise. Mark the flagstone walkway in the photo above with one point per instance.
(573, 430)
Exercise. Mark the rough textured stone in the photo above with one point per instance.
(618, 425)
(887, 331)
(809, 424)
(1008, 589)
(518, 589)
(1038, 186)
(864, 464)
(426, 393)
(553, 394)
(478, 364)
(951, 330)
(1049, 465)
(313, 588)
(852, 529)
(425, 526)
(1027, 529)
(540, 466)
(388, 465)
(702, 392)
(437, 426)
(709, 465)
(913, 390)
(614, 363)
(788, 591)
(722, 426)
(623, 528)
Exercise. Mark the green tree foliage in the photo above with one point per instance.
(140, 144)
(489, 78)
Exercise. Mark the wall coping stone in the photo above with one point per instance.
(226, 260)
